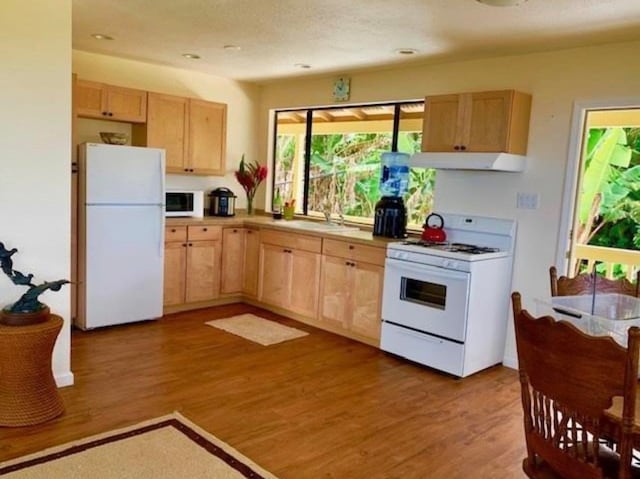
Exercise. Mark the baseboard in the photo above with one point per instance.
(64, 379)
(510, 362)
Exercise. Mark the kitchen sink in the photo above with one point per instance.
(320, 227)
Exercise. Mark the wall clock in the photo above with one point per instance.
(341, 89)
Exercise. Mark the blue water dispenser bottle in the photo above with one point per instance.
(390, 213)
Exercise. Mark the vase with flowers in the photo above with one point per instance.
(250, 175)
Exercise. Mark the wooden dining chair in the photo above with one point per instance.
(568, 379)
(583, 284)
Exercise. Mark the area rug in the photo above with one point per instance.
(257, 329)
(169, 447)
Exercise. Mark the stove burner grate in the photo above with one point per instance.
(453, 247)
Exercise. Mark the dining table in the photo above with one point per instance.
(601, 314)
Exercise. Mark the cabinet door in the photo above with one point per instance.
(443, 123)
(90, 99)
(488, 123)
(175, 265)
(366, 297)
(275, 275)
(203, 270)
(166, 128)
(305, 282)
(334, 290)
(207, 137)
(251, 262)
(126, 104)
(233, 246)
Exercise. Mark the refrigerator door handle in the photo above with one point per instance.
(161, 232)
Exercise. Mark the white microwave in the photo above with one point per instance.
(188, 203)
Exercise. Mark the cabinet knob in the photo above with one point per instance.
(204, 229)
(186, 169)
(190, 244)
(463, 147)
(184, 245)
(173, 230)
(249, 232)
(104, 113)
(110, 114)
(235, 230)
(456, 147)
(351, 246)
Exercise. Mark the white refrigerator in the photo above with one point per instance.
(121, 223)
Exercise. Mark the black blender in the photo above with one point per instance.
(390, 213)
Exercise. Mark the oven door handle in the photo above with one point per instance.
(425, 269)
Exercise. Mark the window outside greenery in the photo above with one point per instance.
(344, 160)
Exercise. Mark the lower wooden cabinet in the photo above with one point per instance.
(290, 278)
(192, 264)
(233, 252)
(251, 262)
(351, 289)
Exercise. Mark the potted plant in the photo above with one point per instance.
(250, 175)
(28, 309)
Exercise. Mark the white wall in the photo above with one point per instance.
(35, 141)
(555, 79)
(241, 100)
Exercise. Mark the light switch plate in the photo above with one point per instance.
(528, 201)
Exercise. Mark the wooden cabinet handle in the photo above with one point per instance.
(110, 114)
(104, 113)
(351, 246)
(456, 147)
(186, 169)
(173, 230)
(463, 147)
(190, 244)
(204, 229)
(184, 245)
(235, 230)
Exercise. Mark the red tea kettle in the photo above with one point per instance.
(434, 232)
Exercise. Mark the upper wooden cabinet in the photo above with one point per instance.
(495, 121)
(193, 133)
(108, 102)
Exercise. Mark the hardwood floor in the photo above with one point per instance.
(321, 406)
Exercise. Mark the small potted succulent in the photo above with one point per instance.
(27, 310)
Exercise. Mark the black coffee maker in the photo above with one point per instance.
(390, 218)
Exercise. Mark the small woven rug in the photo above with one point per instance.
(169, 447)
(257, 329)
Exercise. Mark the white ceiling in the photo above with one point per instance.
(340, 36)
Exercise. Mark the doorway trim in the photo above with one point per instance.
(569, 195)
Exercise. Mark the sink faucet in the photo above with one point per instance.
(327, 208)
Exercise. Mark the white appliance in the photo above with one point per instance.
(186, 203)
(446, 305)
(121, 222)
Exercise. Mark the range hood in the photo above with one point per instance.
(469, 161)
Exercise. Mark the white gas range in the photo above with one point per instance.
(446, 305)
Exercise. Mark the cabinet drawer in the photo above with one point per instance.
(354, 251)
(294, 241)
(196, 233)
(175, 233)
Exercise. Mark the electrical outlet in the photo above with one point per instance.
(528, 201)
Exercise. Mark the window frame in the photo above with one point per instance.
(309, 132)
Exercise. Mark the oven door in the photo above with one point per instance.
(426, 298)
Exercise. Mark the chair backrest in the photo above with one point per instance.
(583, 284)
(568, 379)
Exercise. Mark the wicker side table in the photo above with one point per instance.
(28, 392)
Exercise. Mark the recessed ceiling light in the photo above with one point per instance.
(502, 3)
(191, 56)
(304, 66)
(101, 36)
(406, 51)
(232, 48)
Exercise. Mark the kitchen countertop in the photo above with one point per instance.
(265, 221)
